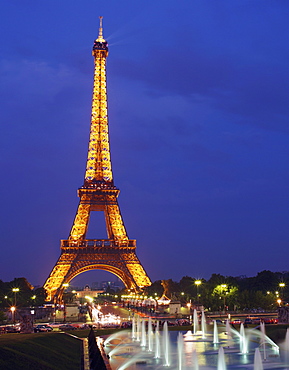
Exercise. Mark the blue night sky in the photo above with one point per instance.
(199, 123)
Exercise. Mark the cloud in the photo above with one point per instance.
(39, 101)
(253, 93)
(33, 82)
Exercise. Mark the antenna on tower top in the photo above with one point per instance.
(100, 37)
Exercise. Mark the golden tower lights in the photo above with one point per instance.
(98, 193)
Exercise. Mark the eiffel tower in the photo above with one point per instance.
(116, 254)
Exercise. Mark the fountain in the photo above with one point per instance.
(286, 347)
(180, 351)
(243, 340)
(263, 340)
(157, 342)
(166, 345)
(258, 365)
(150, 335)
(195, 362)
(216, 334)
(203, 325)
(143, 334)
(196, 321)
(133, 328)
(191, 351)
(229, 331)
(221, 359)
(138, 329)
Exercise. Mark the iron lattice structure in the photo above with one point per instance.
(117, 254)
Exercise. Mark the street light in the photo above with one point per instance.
(15, 290)
(282, 286)
(198, 283)
(224, 286)
(12, 309)
(65, 285)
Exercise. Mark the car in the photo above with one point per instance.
(126, 324)
(55, 324)
(247, 321)
(85, 326)
(252, 320)
(218, 321)
(67, 327)
(12, 329)
(171, 323)
(2, 329)
(183, 322)
(42, 328)
(270, 320)
(236, 322)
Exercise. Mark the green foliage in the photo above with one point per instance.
(40, 294)
(3, 317)
(68, 297)
(26, 295)
(250, 299)
(264, 281)
(242, 293)
(156, 287)
(187, 285)
(236, 293)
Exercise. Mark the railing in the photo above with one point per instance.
(99, 243)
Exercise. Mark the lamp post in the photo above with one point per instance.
(282, 286)
(198, 283)
(65, 285)
(224, 287)
(32, 311)
(12, 309)
(15, 291)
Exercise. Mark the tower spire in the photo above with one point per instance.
(100, 37)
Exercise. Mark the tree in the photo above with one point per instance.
(40, 296)
(3, 317)
(264, 281)
(249, 300)
(224, 295)
(187, 285)
(156, 287)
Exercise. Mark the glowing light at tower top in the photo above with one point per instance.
(100, 36)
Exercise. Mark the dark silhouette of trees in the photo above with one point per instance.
(25, 296)
(235, 293)
(259, 292)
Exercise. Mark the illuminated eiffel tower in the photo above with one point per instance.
(98, 193)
